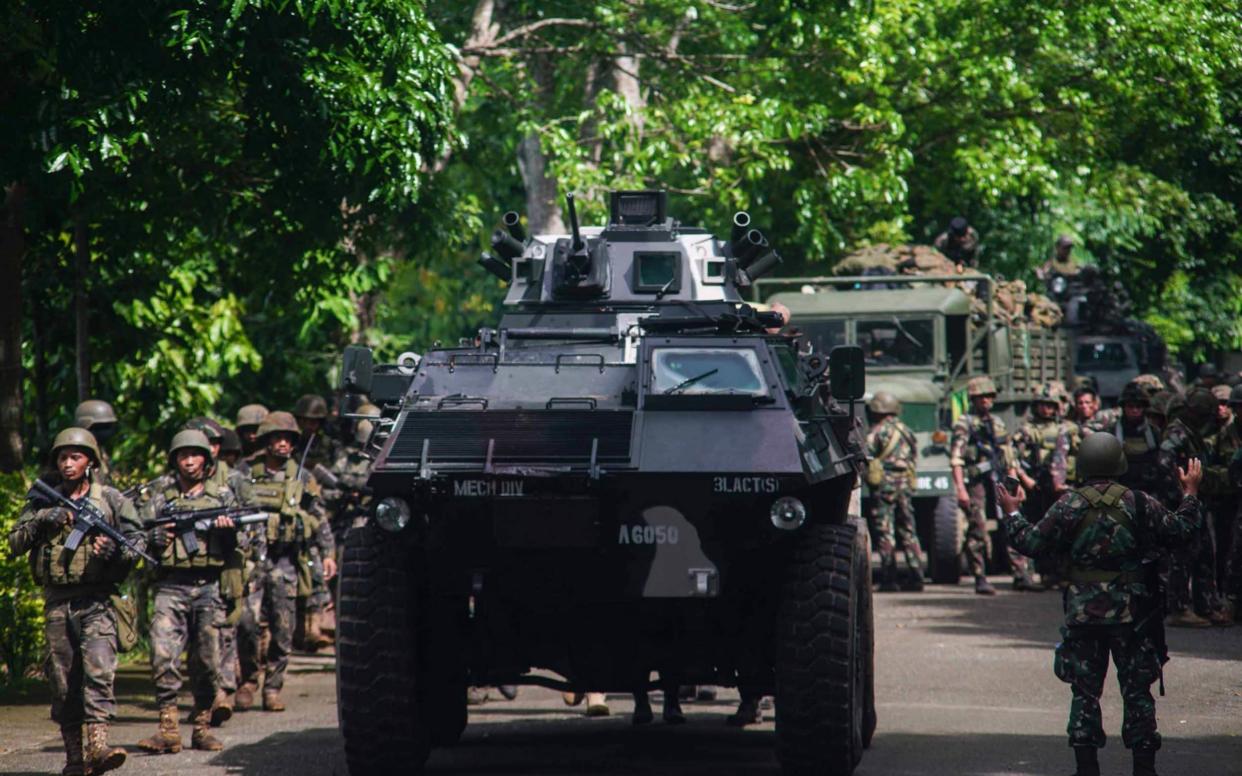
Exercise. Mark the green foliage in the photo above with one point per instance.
(21, 602)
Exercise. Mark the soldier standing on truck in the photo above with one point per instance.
(1194, 601)
(980, 454)
(960, 243)
(892, 451)
(1044, 447)
(1112, 605)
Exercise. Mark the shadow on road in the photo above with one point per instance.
(310, 751)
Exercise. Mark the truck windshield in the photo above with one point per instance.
(701, 371)
(823, 335)
(897, 341)
(1103, 356)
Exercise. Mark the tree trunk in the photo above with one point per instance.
(625, 80)
(12, 253)
(81, 340)
(543, 210)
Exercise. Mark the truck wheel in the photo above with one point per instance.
(867, 623)
(945, 553)
(376, 657)
(821, 655)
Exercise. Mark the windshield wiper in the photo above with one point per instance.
(689, 381)
(907, 334)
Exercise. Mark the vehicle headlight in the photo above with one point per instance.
(788, 513)
(392, 514)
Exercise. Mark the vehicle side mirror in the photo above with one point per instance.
(847, 373)
(356, 369)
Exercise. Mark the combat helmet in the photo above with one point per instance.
(75, 436)
(1150, 383)
(1160, 403)
(980, 386)
(250, 415)
(1101, 455)
(1222, 392)
(93, 411)
(230, 442)
(884, 403)
(1048, 393)
(1134, 393)
(192, 439)
(277, 422)
(1200, 405)
(210, 428)
(311, 406)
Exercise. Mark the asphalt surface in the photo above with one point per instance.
(964, 685)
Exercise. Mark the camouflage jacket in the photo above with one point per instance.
(904, 454)
(1179, 444)
(311, 504)
(1035, 445)
(1104, 420)
(1106, 547)
(977, 442)
(1227, 442)
(216, 493)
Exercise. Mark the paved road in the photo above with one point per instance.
(965, 687)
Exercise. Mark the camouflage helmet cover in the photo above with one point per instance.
(210, 428)
(189, 439)
(1222, 392)
(230, 442)
(250, 415)
(75, 436)
(1149, 382)
(884, 403)
(1048, 393)
(279, 421)
(93, 411)
(1101, 455)
(1134, 393)
(311, 406)
(980, 386)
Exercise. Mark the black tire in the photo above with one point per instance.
(944, 554)
(376, 657)
(867, 623)
(821, 673)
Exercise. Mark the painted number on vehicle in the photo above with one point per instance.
(488, 488)
(648, 534)
(745, 485)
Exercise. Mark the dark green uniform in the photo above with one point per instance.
(1110, 535)
(891, 443)
(1192, 573)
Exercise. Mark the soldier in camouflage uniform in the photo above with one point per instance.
(297, 523)
(1194, 600)
(1087, 411)
(80, 622)
(315, 448)
(1227, 451)
(1140, 440)
(1045, 448)
(980, 454)
(893, 451)
(1158, 411)
(98, 417)
(1110, 534)
(193, 595)
(231, 449)
(247, 424)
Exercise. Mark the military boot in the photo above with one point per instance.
(221, 708)
(748, 713)
(272, 701)
(100, 757)
(243, 699)
(75, 765)
(167, 739)
(315, 638)
(1086, 759)
(672, 713)
(914, 579)
(1145, 762)
(202, 738)
(983, 586)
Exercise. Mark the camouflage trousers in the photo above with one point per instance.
(81, 660)
(892, 524)
(1192, 573)
(319, 597)
(250, 629)
(280, 609)
(228, 658)
(189, 613)
(976, 545)
(1082, 662)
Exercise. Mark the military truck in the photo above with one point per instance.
(633, 472)
(923, 338)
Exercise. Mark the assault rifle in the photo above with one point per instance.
(87, 519)
(186, 522)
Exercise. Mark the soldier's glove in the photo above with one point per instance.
(104, 548)
(158, 538)
(53, 519)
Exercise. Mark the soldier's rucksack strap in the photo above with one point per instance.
(893, 440)
(1109, 500)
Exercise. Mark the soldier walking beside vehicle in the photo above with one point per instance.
(82, 626)
(979, 454)
(192, 595)
(1110, 534)
(893, 453)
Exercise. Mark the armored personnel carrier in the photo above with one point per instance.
(635, 472)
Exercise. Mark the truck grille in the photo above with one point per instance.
(518, 436)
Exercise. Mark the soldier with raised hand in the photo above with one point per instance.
(98, 417)
(296, 524)
(1111, 535)
(194, 592)
(980, 454)
(247, 424)
(1194, 600)
(1045, 447)
(79, 594)
(893, 453)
